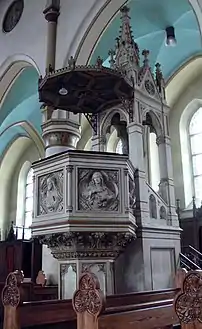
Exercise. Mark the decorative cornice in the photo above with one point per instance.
(87, 244)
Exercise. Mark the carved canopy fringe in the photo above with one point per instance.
(188, 304)
(89, 297)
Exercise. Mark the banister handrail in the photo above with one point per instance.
(190, 261)
(195, 250)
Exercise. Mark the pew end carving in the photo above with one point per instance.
(11, 299)
(188, 303)
(88, 302)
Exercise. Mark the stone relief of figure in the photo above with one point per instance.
(98, 192)
(51, 195)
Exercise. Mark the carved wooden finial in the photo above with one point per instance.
(11, 292)
(188, 302)
(88, 300)
(11, 298)
(41, 278)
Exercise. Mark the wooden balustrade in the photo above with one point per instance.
(90, 310)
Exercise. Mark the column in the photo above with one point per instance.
(60, 135)
(166, 186)
(135, 136)
(51, 13)
(58, 131)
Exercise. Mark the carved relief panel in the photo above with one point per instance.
(50, 193)
(98, 190)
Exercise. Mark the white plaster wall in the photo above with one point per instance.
(30, 34)
(193, 91)
(49, 266)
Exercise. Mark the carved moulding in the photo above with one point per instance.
(98, 190)
(71, 245)
(188, 303)
(50, 193)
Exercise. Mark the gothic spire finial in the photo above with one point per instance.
(145, 54)
(111, 54)
(127, 49)
(160, 80)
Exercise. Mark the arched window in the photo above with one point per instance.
(28, 199)
(24, 201)
(195, 134)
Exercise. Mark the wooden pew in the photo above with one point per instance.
(147, 310)
(151, 313)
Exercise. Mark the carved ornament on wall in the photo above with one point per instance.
(87, 244)
(50, 193)
(98, 190)
(150, 88)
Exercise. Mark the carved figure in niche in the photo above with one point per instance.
(152, 206)
(51, 193)
(99, 191)
(162, 213)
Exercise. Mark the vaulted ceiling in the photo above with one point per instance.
(149, 20)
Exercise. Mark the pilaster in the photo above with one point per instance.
(166, 186)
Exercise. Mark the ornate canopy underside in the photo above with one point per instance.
(89, 89)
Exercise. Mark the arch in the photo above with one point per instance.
(187, 171)
(156, 123)
(9, 164)
(31, 132)
(106, 121)
(182, 78)
(99, 23)
(11, 69)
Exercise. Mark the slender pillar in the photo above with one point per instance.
(51, 13)
(59, 132)
(166, 186)
(135, 136)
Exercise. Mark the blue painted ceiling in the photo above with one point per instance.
(149, 19)
(20, 104)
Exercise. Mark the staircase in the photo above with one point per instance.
(191, 259)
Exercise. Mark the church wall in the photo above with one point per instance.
(182, 187)
(49, 266)
(30, 34)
